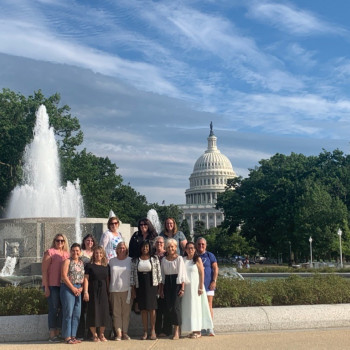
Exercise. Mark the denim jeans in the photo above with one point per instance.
(71, 306)
(55, 311)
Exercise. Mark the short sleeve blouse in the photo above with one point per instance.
(174, 267)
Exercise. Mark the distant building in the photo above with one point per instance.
(210, 174)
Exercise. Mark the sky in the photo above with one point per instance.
(146, 78)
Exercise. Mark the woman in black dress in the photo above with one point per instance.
(95, 292)
(145, 278)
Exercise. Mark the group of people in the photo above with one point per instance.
(170, 281)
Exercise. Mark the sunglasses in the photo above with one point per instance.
(59, 240)
(143, 225)
(114, 223)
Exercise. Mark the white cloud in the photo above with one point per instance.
(293, 20)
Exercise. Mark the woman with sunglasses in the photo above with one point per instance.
(110, 239)
(71, 288)
(51, 279)
(194, 308)
(146, 231)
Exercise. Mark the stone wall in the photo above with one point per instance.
(29, 238)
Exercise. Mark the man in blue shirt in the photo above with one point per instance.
(211, 271)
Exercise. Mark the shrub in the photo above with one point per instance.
(22, 301)
(294, 290)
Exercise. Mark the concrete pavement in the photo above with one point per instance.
(268, 340)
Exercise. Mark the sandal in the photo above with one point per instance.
(77, 341)
(71, 341)
(195, 335)
(125, 337)
(95, 338)
(144, 337)
(153, 337)
(118, 336)
(103, 338)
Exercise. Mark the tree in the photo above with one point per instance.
(185, 228)
(167, 211)
(17, 119)
(98, 181)
(287, 198)
(130, 205)
(198, 229)
(224, 244)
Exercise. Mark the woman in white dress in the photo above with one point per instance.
(194, 307)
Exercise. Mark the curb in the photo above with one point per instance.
(226, 320)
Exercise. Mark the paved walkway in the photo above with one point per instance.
(320, 339)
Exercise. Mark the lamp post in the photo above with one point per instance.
(339, 232)
(310, 240)
(290, 253)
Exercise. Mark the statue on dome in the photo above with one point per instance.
(211, 129)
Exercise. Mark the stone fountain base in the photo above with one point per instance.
(28, 238)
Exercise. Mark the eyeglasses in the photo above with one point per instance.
(143, 225)
(114, 223)
(158, 242)
(200, 243)
(59, 240)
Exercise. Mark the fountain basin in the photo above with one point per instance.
(28, 238)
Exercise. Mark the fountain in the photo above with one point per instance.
(152, 216)
(41, 195)
(40, 208)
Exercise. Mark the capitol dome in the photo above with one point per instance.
(210, 174)
(209, 177)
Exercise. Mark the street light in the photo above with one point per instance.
(310, 240)
(339, 232)
(290, 251)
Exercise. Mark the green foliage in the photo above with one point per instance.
(17, 118)
(224, 244)
(288, 199)
(22, 301)
(167, 211)
(129, 204)
(102, 188)
(199, 229)
(185, 228)
(293, 290)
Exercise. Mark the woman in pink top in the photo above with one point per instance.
(51, 272)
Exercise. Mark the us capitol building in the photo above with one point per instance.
(210, 174)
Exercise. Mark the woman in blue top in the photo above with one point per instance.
(170, 231)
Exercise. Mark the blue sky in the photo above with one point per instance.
(145, 78)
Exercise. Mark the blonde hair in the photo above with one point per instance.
(169, 241)
(65, 244)
(104, 261)
(119, 244)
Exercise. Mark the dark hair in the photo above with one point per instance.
(89, 235)
(195, 255)
(144, 243)
(74, 245)
(152, 233)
